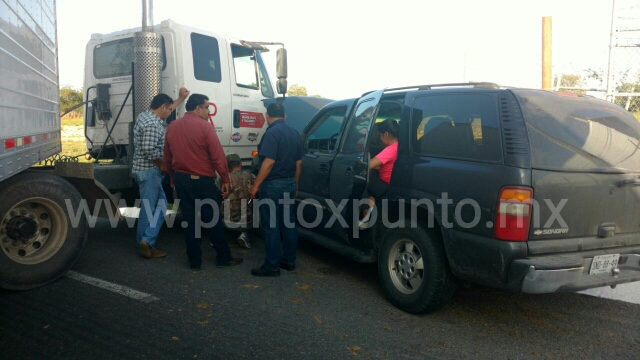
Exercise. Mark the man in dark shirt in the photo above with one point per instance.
(192, 155)
(281, 153)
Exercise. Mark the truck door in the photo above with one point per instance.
(350, 170)
(319, 150)
(250, 85)
(206, 73)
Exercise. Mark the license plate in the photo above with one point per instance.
(602, 264)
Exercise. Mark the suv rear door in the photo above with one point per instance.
(457, 158)
(585, 158)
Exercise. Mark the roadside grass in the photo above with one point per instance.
(74, 148)
(66, 121)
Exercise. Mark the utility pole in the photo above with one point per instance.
(612, 41)
(546, 53)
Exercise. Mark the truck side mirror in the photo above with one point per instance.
(281, 70)
(282, 86)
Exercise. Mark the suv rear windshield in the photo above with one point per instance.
(579, 133)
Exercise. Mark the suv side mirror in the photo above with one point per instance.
(281, 70)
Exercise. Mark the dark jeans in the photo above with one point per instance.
(377, 187)
(281, 239)
(202, 190)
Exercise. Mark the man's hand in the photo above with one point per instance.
(160, 163)
(182, 95)
(253, 191)
(225, 189)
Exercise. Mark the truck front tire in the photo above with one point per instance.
(38, 240)
(413, 269)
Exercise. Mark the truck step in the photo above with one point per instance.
(339, 247)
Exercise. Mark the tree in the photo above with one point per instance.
(70, 98)
(571, 81)
(630, 103)
(297, 90)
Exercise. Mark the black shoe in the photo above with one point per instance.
(263, 271)
(287, 267)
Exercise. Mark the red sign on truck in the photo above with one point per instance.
(251, 120)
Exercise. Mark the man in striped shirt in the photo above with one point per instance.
(148, 170)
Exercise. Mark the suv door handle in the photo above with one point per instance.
(349, 172)
(324, 168)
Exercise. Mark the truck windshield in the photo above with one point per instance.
(265, 83)
(246, 62)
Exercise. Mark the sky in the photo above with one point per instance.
(340, 49)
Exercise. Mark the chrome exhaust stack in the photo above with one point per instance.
(147, 54)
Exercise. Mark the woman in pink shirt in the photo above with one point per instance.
(381, 166)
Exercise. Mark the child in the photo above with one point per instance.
(381, 165)
(237, 214)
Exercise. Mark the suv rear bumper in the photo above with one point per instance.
(507, 265)
(553, 273)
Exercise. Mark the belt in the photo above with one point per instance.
(283, 178)
(196, 177)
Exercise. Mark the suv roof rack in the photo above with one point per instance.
(484, 85)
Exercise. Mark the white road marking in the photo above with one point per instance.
(134, 212)
(118, 289)
(629, 292)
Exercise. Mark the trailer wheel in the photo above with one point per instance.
(38, 240)
(414, 272)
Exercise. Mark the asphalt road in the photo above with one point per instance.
(330, 308)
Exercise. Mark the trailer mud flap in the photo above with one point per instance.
(81, 176)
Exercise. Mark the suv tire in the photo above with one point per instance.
(413, 270)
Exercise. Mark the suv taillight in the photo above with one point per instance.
(513, 213)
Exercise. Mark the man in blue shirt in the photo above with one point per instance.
(281, 153)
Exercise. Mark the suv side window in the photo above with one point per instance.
(324, 135)
(462, 126)
(358, 129)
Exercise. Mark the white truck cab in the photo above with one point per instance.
(229, 71)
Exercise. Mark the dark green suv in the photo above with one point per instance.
(520, 189)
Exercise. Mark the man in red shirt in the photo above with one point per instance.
(192, 155)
